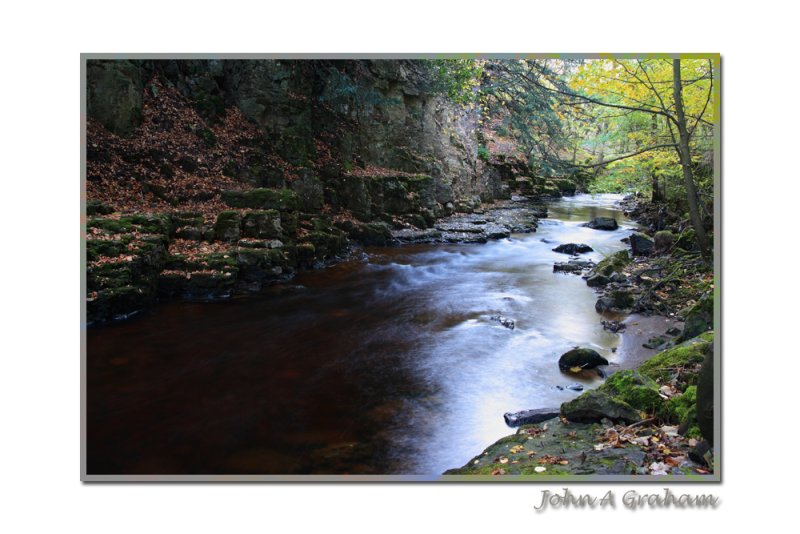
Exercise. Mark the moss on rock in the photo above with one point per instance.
(664, 365)
(227, 227)
(613, 263)
(262, 198)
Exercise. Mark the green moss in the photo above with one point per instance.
(263, 224)
(638, 391)
(262, 198)
(111, 225)
(613, 263)
(483, 153)
(663, 365)
(227, 226)
(96, 248)
(95, 207)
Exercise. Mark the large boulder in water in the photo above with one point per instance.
(583, 358)
(573, 248)
(602, 223)
(641, 245)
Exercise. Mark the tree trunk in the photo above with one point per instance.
(686, 161)
(656, 196)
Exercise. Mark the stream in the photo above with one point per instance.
(387, 363)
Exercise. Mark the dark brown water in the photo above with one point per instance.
(385, 364)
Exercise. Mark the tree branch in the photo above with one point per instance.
(606, 162)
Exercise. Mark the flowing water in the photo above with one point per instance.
(388, 363)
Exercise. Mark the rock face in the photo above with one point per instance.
(641, 245)
(602, 223)
(583, 358)
(573, 248)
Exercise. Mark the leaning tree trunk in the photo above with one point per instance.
(686, 161)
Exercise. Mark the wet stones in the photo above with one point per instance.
(573, 266)
(580, 359)
(602, 223)
(613, 326)
(505, 321)
(573, 248)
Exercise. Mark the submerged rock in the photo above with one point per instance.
(505, 321)
(602, 223)
(613, 326)
(583, 358)
(572, 266)
(573, 248)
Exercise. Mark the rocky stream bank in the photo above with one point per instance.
(653, 415)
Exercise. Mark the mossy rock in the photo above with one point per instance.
(375, 234)
(635, 389)
(228, 226)
(663, 241)
(327, 245)
(187, 218)
(305, 254)
(663, 365)
(216, 261)
(613, 263)
(264, 224)
(595, 405)
(96, 207)
(570, 448)
(97, 248)
(683, 409)
(109, 276)
(687, 240)
(700, 317)
(262, 198)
